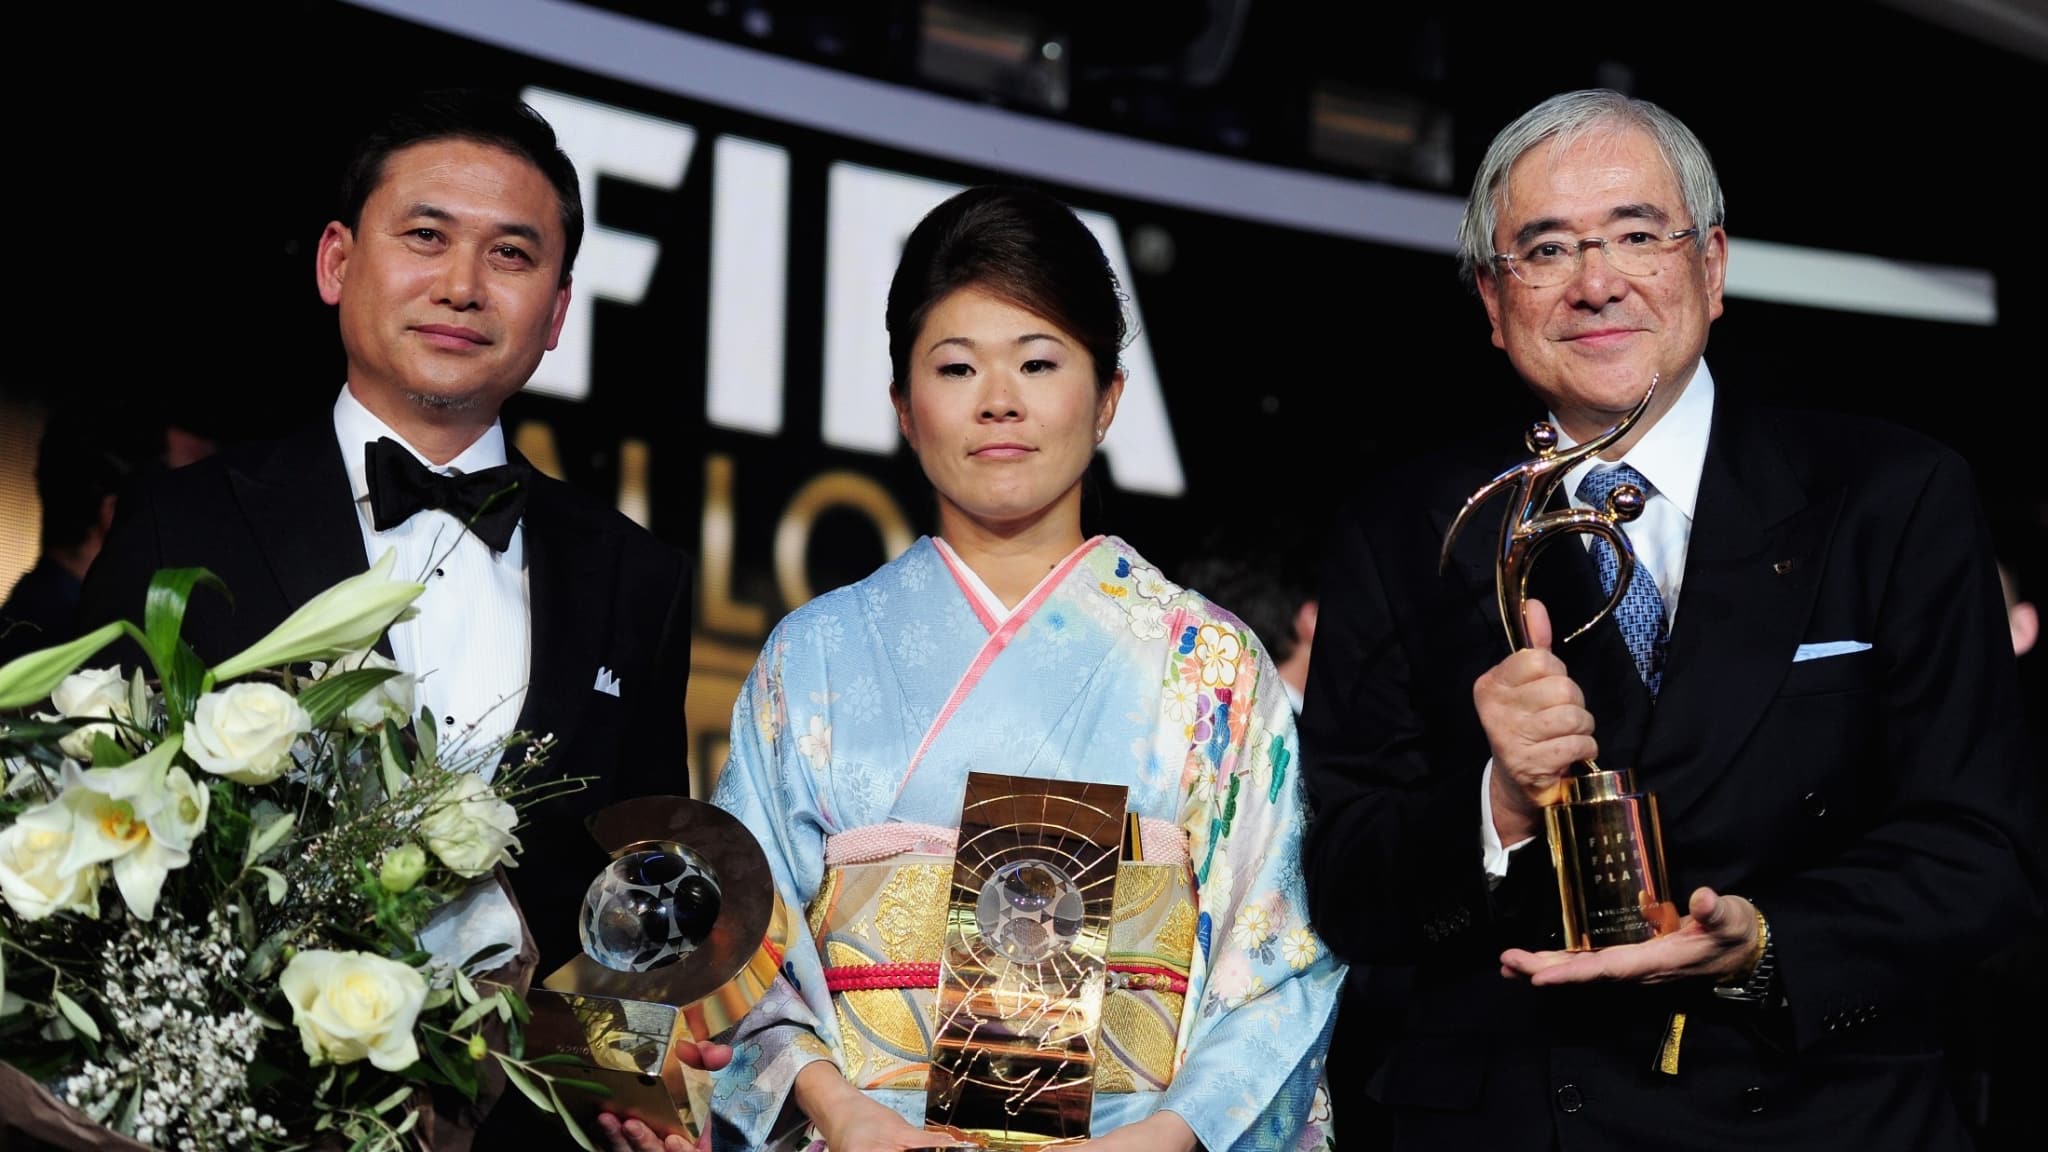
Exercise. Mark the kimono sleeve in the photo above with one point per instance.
(751, 1097)
(1260, 1009)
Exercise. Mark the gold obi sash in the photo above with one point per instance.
(880, 926)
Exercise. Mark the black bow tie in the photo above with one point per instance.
(490, 500)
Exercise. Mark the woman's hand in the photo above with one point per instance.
(850, 1121)
(634, 1136)
(1160, 1132)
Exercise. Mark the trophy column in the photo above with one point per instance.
(1607, 848)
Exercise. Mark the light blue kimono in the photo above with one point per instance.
(871, 704)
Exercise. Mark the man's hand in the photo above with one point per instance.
(1717, 939)
(634, 1136)
(1537, 726)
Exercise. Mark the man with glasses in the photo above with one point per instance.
(1831, 723)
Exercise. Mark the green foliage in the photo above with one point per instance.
(275, 870)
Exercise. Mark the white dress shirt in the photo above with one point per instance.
(468, 649)
(1671, 456)
(470, 645)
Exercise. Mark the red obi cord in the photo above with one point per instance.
(900, 977)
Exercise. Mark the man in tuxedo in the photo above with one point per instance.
(1811, 671)
(545, 612)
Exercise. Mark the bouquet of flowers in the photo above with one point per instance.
(215, 881)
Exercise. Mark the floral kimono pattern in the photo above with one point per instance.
(870, 705)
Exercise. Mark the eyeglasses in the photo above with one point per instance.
(1548, 263)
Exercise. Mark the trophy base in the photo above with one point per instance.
(622, 1045)
(1607, 848)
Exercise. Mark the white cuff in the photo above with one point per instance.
(1492, 855)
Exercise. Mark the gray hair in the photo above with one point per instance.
(1567, 119)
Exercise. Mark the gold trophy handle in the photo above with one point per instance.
(1539, 535)
(1526, 528)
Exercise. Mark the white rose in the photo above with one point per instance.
(392, 699)
(92, 694)
(245, 732)
(469, 828)
(349, 1005)
(30, 851)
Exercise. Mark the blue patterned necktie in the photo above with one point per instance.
(1640, 615)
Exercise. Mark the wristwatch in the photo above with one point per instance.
(1763, 969)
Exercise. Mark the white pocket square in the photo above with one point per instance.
(609, 684)
(1831, 648)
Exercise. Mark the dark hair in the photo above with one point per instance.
(1017, 244)
(475, 114)
(76, 471)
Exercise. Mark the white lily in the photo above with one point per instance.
(27, 679)
(134, 818)
(345, 618)
(183, 815)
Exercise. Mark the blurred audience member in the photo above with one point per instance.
(76, 478)
(2001, 1004)
(2020, 613)
(1267, 590)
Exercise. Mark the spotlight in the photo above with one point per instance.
(994, 50)
(1393, 135)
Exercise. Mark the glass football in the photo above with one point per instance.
(649, 908)
(1028, 911)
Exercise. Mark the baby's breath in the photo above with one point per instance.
(175, 1060)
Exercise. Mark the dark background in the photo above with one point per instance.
(170, 232)
(178, 165)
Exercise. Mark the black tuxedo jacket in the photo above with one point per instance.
(275, 522)
(1876, 806)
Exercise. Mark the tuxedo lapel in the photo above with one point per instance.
(1750, 580)
(571, 569)
(297, 503)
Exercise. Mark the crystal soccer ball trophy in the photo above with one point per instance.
(680, 933)
(649, 908)
(1023, 968)
(1028, 911)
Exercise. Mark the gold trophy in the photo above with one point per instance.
(1023, 972)
(682, 934)
(1606, 844)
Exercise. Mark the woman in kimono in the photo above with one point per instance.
(1010, 644)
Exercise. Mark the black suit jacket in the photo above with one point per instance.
(38, 612)
(1876, 805)
(275, 522)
